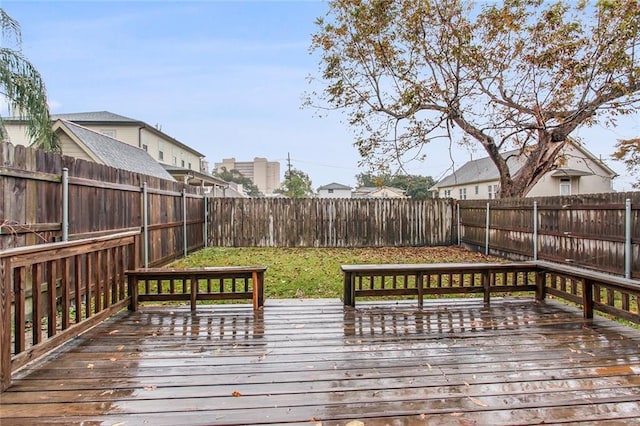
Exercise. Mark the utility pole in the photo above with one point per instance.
(289, 167)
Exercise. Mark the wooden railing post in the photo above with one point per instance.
(5, 323)
(541, 285)
(587, 299)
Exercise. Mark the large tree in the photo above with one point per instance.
(628, 151)
(22, 86)
(296, 184)
(512, 74)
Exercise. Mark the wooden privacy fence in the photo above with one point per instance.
(37, 199)
(598, 231)
(50, 293)
(327, 222)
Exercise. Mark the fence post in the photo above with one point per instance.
(5, 323)
(184, 222)
(486, 237)
(627, 239)
(145, 222)
(535, 230)
(459, 223)
(65, 204)
(205, 234)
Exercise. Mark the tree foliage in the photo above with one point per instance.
(297, 184)
(415, 186)
(628, 151)
(515, 74)
(22, 86)
(235, 176)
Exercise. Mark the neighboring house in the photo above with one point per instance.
(162, 147)
(264, 174)
(334, 190)
(580, 173)
(378, 192)
(182, 162)
(86, 144)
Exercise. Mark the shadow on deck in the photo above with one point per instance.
(298, 361)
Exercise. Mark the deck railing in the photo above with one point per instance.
(50, 293)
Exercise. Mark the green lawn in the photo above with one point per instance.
(315, 272)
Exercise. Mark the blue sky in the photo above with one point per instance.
(226, 78)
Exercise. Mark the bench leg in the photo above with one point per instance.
(194, 293)
(133, 293)
(258, 290)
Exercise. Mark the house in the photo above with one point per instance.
(379, 192)
(86, 144)
(580, 173)
(334, 190)
(264, 174)
(182, 162)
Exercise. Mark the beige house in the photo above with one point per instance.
(580, 173)
(86, 144)
(264, 174)
(160, 146)
(379, 192)
(182, 162)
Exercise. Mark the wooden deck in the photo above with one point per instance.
(308, 361)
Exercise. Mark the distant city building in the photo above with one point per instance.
(264, 174)
(334, 190)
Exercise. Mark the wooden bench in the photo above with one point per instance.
(593, 290)
(437, 278)
(193, 284)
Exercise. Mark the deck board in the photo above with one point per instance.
(453, 362)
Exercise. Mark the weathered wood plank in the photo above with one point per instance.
(302, 360)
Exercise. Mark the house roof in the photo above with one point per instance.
(483, 169)
(100, 117)
(112, 152)
(334, 185)
(366, 191)
(194, 177)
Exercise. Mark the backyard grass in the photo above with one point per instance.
(315, 272)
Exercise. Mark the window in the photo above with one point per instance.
(182, 163)
(492, 191)
(447, 193)
(108, 132)
(189, 166)
(160, 155)
(330, 191)
(175, 161)
(565, 186)
(477, 189)
(462, 192)
(145, 147)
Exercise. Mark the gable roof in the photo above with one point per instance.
(106, 117)
(112, 152)
(334, 185)
(483, 169)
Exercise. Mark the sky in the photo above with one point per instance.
(227, 78)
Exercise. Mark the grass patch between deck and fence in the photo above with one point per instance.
(315, 272)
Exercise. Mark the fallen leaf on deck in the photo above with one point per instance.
(355, 423)
(90, 366)
(150, 387)
(299, 325)
(120, 348)
(112, 359)
(477, 401)
(112, 332)
(236, 394)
